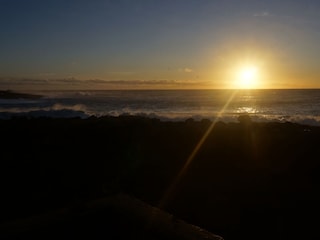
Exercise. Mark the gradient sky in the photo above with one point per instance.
(104, 44)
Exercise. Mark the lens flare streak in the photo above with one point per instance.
(183, 170)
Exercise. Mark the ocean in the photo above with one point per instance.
(298, 106)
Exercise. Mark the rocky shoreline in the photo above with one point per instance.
(247, 180)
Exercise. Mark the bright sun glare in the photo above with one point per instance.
(247, 77)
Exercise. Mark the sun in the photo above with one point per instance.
(247, 77)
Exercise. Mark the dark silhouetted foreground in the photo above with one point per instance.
(248, 180)
(114, 217)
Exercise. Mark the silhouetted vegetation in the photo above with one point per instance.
(248, 181)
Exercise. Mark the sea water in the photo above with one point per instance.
(300, 106)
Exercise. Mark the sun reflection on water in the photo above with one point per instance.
(249, 110)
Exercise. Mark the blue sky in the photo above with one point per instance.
(192, 43)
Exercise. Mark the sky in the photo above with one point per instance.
(163, 44)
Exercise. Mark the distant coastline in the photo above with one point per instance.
(8, 94)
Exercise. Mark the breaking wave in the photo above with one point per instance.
(55, 111)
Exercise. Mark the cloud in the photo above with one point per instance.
(186, 70)
(78, 84)
(262, 14)
(20, 81)
(122, 73)
(45, 74)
